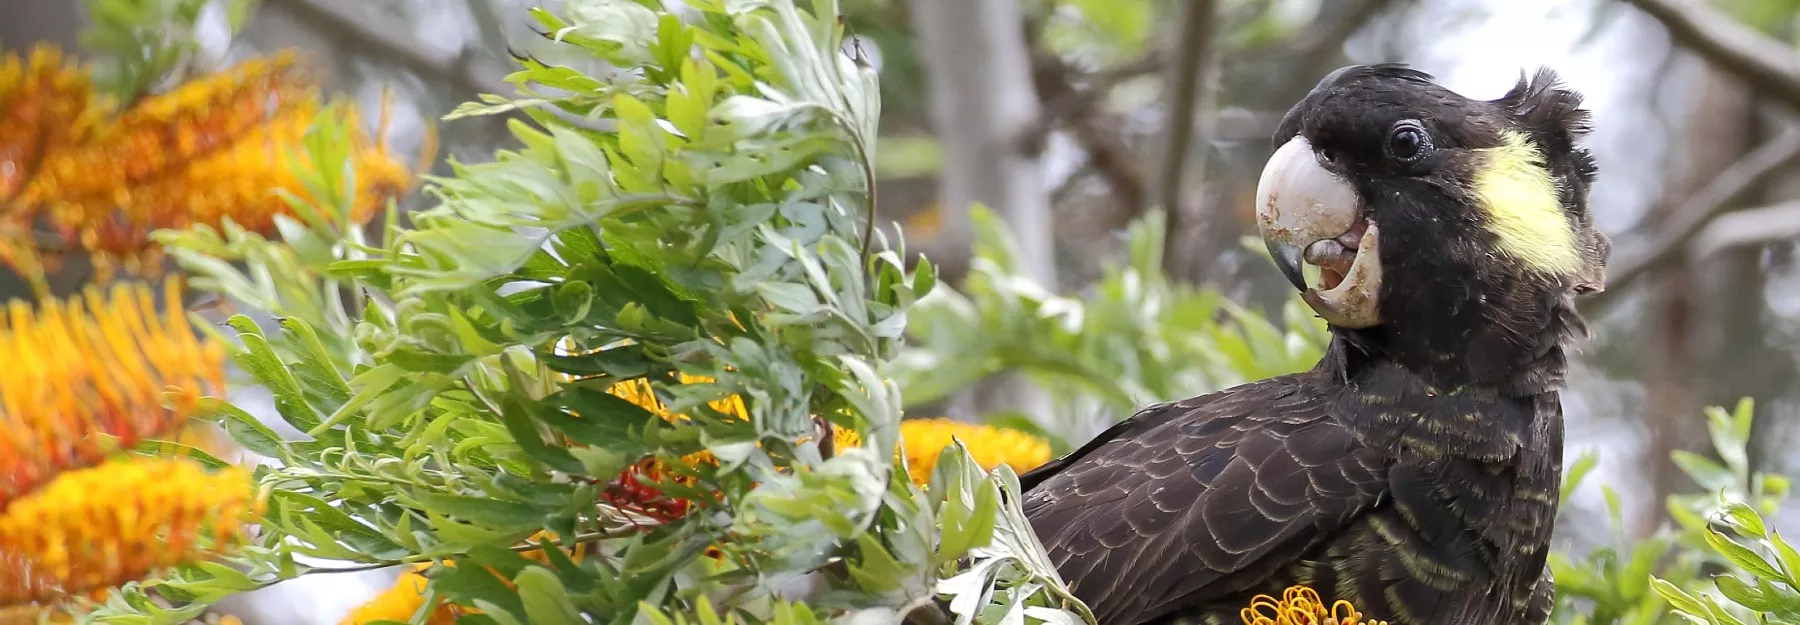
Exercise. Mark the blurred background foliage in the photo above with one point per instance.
(1117, 160)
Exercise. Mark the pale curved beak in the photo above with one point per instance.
(1307, 214)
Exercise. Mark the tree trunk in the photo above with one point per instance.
(1716, 133)
(978, 70)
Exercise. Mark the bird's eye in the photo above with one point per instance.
(1408, 141)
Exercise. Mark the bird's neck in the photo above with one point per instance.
(1463, 324)
(1477, 377)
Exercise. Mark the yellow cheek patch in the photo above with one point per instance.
(1516, 191)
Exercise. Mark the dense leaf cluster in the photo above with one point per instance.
(698, 218)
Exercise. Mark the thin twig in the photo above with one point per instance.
(591, 537)
(1073, 103)
(1670, 242)
(1325, 39)
(1096, 131)
(1763, 63)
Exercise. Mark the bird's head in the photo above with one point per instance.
(1424, 221)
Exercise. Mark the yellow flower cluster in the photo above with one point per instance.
(924, 439)
(96, 528)
(164, 132)
(214, 148)
(399, 602)
(85, 381)
(43, 102)
(1300, 605)
(921, 442)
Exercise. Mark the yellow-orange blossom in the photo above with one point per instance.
(95, 528)
(213, 148)
(1300, 605)
(88, 376)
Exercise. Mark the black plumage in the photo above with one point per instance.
(1414, 471)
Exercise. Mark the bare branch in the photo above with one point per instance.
(1750, 226)
(1242, 124)
(1194, 49)
(380, 37)
(1694, 213)
(1326, 38)
(1070, 102)
(1107, 153)
(1765, 64)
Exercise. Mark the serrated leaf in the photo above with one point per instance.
(260, 360)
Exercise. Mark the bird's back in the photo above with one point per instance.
(1188, 510)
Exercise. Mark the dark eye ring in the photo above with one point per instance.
(1408, 141)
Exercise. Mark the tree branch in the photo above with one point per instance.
(1190, 114)
(380, 37)
(1069, 102)
(1766, 65)
(1750, 226)
(1324, 39)
(1194, 49)
(1694, 213)
(1107, 153)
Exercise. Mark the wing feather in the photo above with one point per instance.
(1193, 501)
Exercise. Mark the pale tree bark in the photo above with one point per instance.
(982, 100)
(978, 70)
(1192, 96)
(1716, 132)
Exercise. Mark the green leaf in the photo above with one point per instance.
(1790, 559)
(546, 600)
(1741, 556)
(422, 361)
(470, 585)
(1744, 520)
(1679, 599)
(1579, 471)
(370, 384)
(259, 358)
(618, 362)
(314, 364)
(1708, 474)
(494, 514)
(1744, 594)
(525, 433)
(245, 429)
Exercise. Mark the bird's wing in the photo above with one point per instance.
(1188, 502)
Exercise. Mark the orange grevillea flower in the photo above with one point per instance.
(88, 376)
(45, 103)
(214, 148)
(163, 132)
(95, 528)
(1300, 605)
